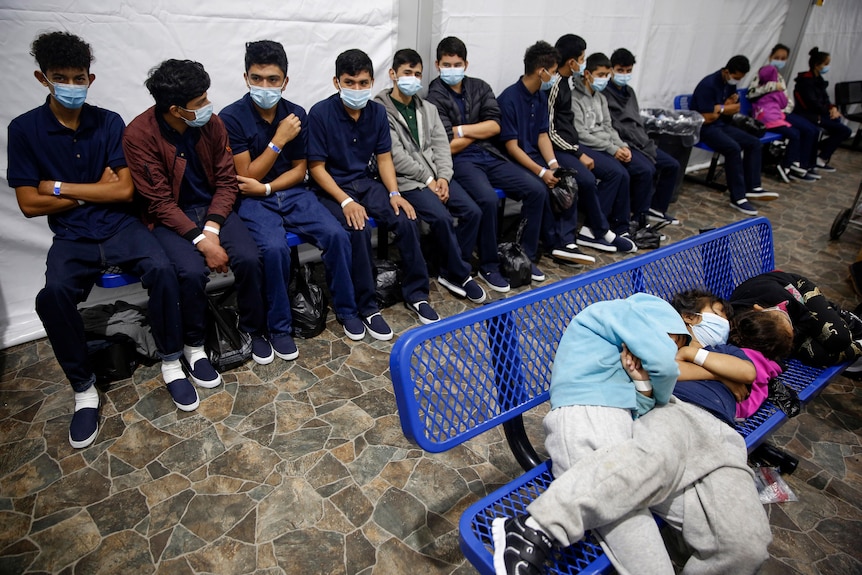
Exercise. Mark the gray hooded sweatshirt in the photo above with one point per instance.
(593, 120)
(416, 162)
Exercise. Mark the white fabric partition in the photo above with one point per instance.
(129, 38)
(675, 43)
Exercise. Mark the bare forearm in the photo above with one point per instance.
(325, 181)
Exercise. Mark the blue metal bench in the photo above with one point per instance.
(681, 102)
(485, 367)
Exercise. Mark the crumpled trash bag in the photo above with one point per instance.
(683, 123)
(308, 306)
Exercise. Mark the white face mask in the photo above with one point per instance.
(712, 329)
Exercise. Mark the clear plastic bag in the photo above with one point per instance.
(684, 123)
(771, 487)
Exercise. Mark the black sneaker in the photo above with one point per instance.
(261, 350)
(184, 394)
(495, 281)
(518, 549)
(84, 427)
(377, 327)
(823, 166)
(783, 173)
(284, 347)
(761, 194)
(570, 254)
(744, 206)
(425, 312)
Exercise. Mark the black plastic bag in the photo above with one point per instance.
(749, 124)
(784, 397)
(112, 360)
(308, 305)
(387, 289)
(565, 193)
(647, 236)
(514, 263)
(227, 346)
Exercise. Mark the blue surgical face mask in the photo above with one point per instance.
(409, 85)
(599, 84)
(550, 83)
(583, 67)
(622, 79)
(452, 76)
(202, 116)
(778, 63)
(824, 69)
(69, 96)
(712, 329)
(266, 98)
(355, 99)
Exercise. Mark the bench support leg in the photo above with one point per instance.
(775, 457)
(520, 445)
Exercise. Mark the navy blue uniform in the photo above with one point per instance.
(347, 146)
(740, 149)
(524, 117)
(712, 395)
(295, 210)
(90, 237)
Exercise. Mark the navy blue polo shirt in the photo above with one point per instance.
(711, 91)
(344, 144)
(41, 148)
(195, 191)
(711, 395)
(524, 116)
(249, 132)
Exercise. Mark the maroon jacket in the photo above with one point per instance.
(158, 172)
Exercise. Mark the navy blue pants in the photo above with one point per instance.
(558, 230)
(191, 269)
(741, 153)
(455, 244)
(667, 170)
(297, 210)
(836, 132)
(613, 186)
(72, 269)
(375, 199)
(808, 134)
(641, 181)
(480, 177)
(588, 198)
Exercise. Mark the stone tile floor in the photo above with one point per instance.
(301, 467)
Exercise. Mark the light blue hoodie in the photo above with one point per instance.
(587, 368)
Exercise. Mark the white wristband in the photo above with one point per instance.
(394, 193)
(268, 188)
(542, 172)
(211, 229)
(552, 162)
(429, 181)
(198, 239)
(700, 356)
(345, 202)
(274, 148)
(642, 384)
(81, 202)
(460, 131)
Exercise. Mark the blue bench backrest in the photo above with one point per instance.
(471, 372)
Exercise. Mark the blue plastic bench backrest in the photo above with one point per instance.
(471, 372)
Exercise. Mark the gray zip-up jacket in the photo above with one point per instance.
(593, 120)
(416, 162)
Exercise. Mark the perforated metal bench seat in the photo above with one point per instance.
(485, 367)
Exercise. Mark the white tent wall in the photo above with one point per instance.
(676, 43)
(130, 37)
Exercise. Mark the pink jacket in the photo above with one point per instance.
(766, 370)
(769, 108)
